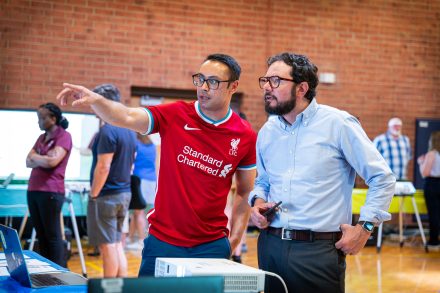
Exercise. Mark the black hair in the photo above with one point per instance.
(234, 67)
(108, 91)
(302, 70)
(55, 111)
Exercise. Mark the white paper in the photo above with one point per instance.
(41, 269)
(2, 256)
(29, 262)
(35, 262)
(4, 271)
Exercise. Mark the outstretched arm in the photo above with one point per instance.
(111, 112)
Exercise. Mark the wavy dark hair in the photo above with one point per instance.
(302, 70)
(234, 67)
(55, 111)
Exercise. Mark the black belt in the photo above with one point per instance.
(304, 235)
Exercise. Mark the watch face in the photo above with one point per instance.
(369, 226)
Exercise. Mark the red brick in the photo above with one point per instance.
(384, 54)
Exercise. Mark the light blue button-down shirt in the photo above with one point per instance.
(311, 166)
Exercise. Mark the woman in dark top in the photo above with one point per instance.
(48, 160)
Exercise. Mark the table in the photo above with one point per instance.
(7, 284)
(13, 202)
(359, 195)
(404, 203)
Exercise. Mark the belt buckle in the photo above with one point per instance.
(288, 237)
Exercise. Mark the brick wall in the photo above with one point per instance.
(385, 54)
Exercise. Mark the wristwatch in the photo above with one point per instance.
(253, 201)
(367, 226)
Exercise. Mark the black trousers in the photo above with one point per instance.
(304, 266)
(432, 199)
(45, 209)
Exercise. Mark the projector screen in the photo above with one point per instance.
(19, 130)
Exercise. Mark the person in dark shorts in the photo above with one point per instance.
(113, 152)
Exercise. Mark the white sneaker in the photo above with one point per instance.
(433, 247)
(137, 245)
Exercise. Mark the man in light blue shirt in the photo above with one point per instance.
(307, 157)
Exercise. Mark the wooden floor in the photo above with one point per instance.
(395, 269)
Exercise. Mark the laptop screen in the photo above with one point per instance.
(14, 256)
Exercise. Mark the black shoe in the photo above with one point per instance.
(236, 258)
(433, 242)
(95, 252)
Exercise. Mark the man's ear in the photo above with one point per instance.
(233, 86)
(302, 89)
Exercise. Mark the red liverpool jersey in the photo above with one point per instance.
(198, 159)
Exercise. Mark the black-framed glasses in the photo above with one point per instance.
(213, 84)
(274, 81)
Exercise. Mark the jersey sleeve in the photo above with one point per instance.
(249, 160)
(159, 116)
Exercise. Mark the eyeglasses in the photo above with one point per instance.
(213, 84)
(274, 81)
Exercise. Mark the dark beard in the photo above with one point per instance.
(282, 108)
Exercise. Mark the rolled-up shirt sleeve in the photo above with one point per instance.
(362, 155)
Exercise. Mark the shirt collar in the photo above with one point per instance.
(209, 120)
(390, 136)
(304, 117)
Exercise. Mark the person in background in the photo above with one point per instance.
(203, 144)
(145, 169)
(113, 152)
(395, 148)
(48, 159)
(429, 165)
(307, 157)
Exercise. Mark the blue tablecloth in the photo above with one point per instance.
(7, 284)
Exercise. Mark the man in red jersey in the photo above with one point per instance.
(203, 144)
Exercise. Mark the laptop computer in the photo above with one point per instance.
(7, 181)
(18, 269)
(204, 284)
